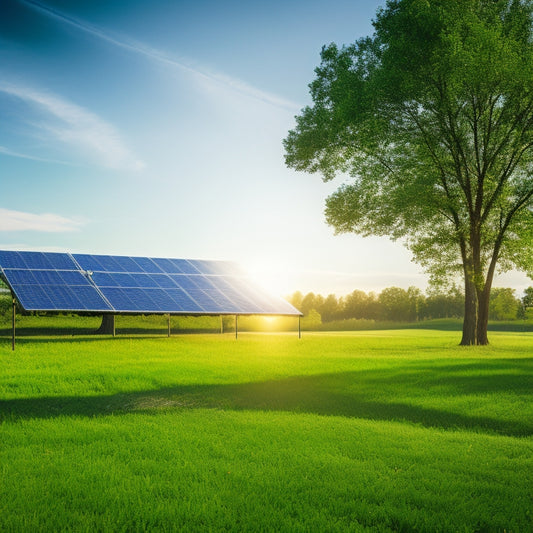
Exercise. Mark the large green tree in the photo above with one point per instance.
(430, 124)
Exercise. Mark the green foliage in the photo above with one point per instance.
(392, 304)
(312, 320)
(6, 305)
(384, 431)
(432, 117)
(503, 304)
(527, 300)
(400, 304)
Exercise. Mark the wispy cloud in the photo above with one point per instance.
(75, 126)
(154, 54)
(47, 222)
(13, 153)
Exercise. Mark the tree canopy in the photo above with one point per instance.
(430, 122)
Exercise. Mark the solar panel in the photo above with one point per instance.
(50, 282)
(43, 281)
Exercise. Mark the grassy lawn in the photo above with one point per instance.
(374, 430)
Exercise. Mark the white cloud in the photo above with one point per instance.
(11, 220)
(200, 73)
(75, 126)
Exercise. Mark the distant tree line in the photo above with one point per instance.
(408, 305)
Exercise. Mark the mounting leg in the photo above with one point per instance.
(13, 331)
(168, 324)
(236, 326)
(221, 324)
(299, 327)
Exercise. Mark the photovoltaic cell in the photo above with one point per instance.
(185, 267)
(58, 281)
(167, 265)
(146, 265)
(10, 259)
(74, 278)
(127, 264)
(163, 281)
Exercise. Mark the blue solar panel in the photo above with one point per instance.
(103, 279)
(206, 302)
(118, 298)
(147, 265)
(185, 267)
(55, 281)
(162, 280)
(10, 259)
(222, 301)
(127, 264)
(35, 260)
(91, 299)
(184, 303)
(166, 265)
(202, 282)
(109, 263)
(33, 297)
(144, 280)
(184, 282)
(245, 304)
(124, 280)
(73, 277)
(163, 301)
(48, 277)
(89, 262)
(64, 298)
(20, 277)
(61, 261)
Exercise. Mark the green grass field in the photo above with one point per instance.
(368, 431)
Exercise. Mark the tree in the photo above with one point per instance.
(399, 304)
(308, 303)
(329, 309)
(443, 305)
(503, 304)
(356, 305)
(527, 300)
(432, 118)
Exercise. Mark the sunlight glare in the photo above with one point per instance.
(273, 276)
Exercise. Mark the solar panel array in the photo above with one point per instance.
(46, 281)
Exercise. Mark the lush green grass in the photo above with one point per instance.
(384, 431)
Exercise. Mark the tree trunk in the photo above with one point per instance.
(107, 327)
(470, 316)
(483, 317)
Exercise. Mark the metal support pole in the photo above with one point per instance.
(13, 332)
(299, 327)
(168, 324)
(114, 332)
(236, 326)
(221, 324)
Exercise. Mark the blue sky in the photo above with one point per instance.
(155, 128)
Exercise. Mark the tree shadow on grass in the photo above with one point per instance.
(369, 394)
